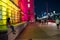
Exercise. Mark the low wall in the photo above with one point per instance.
(18, 29)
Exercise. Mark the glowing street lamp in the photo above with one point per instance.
(54, 12)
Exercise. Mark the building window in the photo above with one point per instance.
(28, 5)
(28, 11)
(28, 0)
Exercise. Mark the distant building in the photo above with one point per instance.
(27, 7)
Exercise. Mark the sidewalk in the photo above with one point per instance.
(38, 31)
(51, 29)
(18, 29)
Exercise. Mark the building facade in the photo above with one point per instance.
(27, 7)
(8, 9)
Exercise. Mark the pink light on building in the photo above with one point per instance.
(27, 5)
(31, 10)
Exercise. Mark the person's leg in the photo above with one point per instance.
(13, 30)
(57, 26)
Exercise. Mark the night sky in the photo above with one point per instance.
(40, 6)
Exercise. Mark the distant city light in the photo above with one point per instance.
(54, 12)
(45, 13)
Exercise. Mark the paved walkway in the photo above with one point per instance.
(37, 31)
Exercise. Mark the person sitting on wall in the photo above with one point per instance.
(9, 25)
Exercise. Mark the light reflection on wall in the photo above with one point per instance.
(8, 9)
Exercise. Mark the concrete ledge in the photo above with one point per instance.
(18, 29)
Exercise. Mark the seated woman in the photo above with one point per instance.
(9, 25)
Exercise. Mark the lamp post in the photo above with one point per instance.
(47, 11)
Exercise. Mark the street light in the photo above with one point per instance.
(54, 12)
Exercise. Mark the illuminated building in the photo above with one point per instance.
(8, 9)
(27, 7)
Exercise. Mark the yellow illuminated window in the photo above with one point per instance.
(9, 14)
(13, 16)
(16, 20)
(4, 17)
(0, 2)
(1, 22)
(4, 21)
(4, 4)
(13, 21)
(9, 11)
(4, 13)
(0, 17)
(3, 9)
(10, 19)
(0, 7)
(0, 12)
(4, 0)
